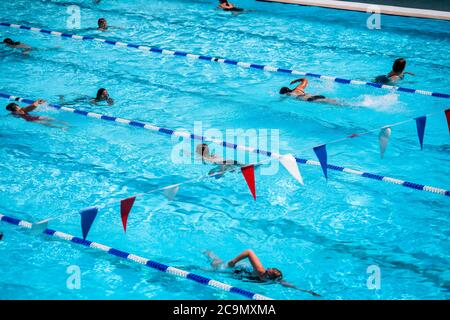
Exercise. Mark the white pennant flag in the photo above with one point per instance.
(383, 138)
(171, 192)
(39, 227)
(288, 161)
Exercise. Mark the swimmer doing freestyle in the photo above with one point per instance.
(299, 93)
(257, 272)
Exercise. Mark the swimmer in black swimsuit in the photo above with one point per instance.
(227, 6)
(256, 273)
(397, 73)
(24, 114)
(299, 93)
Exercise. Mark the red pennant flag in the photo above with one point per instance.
(249, 174)
(447, 115)
(125, 208)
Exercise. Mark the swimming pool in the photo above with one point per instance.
(323, 235)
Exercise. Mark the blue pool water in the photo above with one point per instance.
(323, 236)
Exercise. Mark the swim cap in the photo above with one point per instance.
(10, 107)
(285, 90)
(10, 42)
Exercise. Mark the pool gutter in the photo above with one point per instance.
(366, 7)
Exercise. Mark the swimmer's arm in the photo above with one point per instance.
(410, 73)
(254, 260)
(302, 85)
(33, 106)
(290, 285)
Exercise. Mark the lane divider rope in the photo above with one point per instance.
(167, 131)
(227, 61)
(137, 259)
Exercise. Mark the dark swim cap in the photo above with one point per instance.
(10, 41)
(10, 107)
(285, 90)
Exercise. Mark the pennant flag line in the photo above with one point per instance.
(383, 138)
(288, 161)
(87, 219)
(171, 192)
(321, 153)
(447, 115)
(420, 124)
(249, 174)
(125, 208)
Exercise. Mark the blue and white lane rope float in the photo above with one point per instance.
(227, 61)
(137, 259)
(138, 124)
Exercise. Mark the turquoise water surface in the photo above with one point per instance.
(323, 235)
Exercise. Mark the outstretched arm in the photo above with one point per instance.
(254, 260)
(33, 106)
(410, 73)
(290, 285)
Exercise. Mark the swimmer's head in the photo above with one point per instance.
(399, 65)
(102, 24)
(273, 274)
(10, 42)
(12, 107)
(102, 95)
(285, 90)
(202, 150)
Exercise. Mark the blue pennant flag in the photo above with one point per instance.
(87, 219)
(321, 153)
(420, 124)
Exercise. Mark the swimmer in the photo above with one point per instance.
(223, 165)
(227, 6)
(299, 93)
(24, 113)
(256, 273)
(397, 73)
(102, 24)
(102, 96)
(17, 45)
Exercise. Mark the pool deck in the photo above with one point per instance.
(359, 6)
